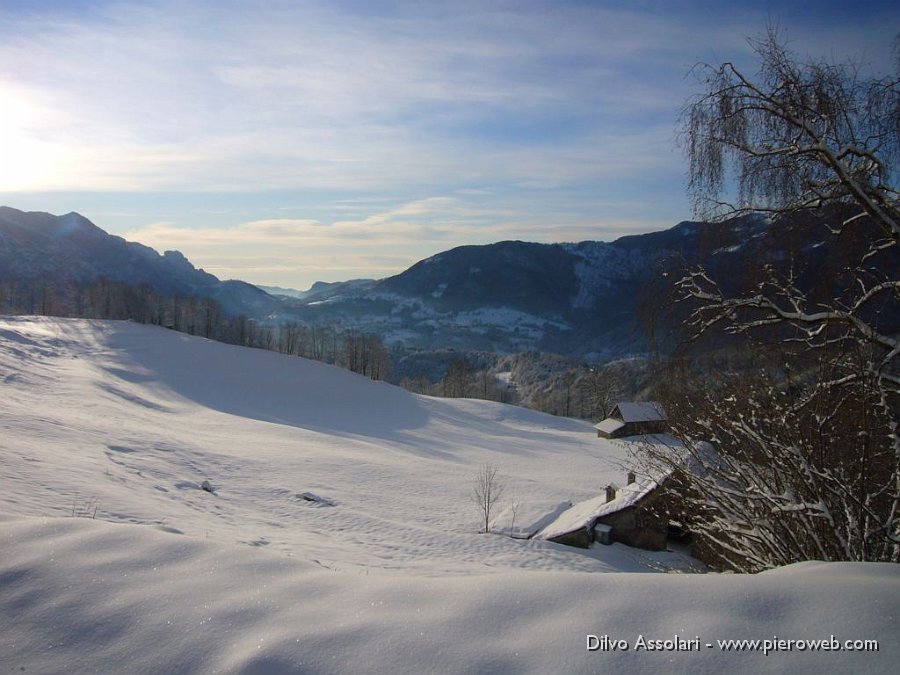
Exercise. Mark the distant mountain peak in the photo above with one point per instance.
(74, 222)
(72, 249)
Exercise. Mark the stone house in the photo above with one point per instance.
(633, 419)
(630, 515)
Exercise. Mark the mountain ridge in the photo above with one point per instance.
(70, 248)
(578, 299)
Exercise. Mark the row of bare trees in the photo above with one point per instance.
(363, 353)
(571, 389)
(106, 299)
(349, 348)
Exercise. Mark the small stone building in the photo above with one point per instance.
(633, 419)
(630, 515)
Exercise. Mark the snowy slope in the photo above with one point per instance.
(136, 417)
(118, 423)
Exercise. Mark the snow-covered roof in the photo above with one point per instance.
(609, 425)
(583, 514)
(641, 412)
(524, 520)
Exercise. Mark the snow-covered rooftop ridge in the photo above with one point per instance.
(522, 520)
(640, 412)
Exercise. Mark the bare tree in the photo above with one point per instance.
(513, 513)
(380, 362)
(601, 389)
(784, 481)
(365, 353)
(807, 137)
(486, 492)
(458, 378)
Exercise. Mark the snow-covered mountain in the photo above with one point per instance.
(336, 533)
(576, 299)
(59, 249)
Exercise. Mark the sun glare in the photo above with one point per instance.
(26, 163)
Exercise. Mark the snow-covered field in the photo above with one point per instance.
(340, 536)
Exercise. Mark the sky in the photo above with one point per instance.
(288, 142)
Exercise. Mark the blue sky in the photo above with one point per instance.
(288, 142)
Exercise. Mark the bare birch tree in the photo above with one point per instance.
(486, 492)
(806, 466)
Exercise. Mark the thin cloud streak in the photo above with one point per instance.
(298, 252)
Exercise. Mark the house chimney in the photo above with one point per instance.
(631, 477)
(610, 492)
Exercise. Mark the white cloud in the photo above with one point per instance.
(170, 96)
